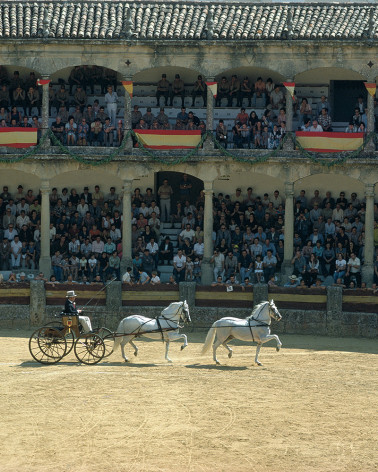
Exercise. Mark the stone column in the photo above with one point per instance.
(127, 118)
(45, 259)
(126, 226)
(289, 229)
(37, 302)
(288, 145)
(207, 271)
(208, 144)
(45, 110)
(367, 269)
(370, 146)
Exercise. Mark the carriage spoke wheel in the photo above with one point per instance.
(70, 336)
(108, 338)
(47, 345)
(89, 348)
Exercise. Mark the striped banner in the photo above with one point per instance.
(371, 88)
(149, 295)
(299, 298)
(213, 86)
(128, 86)
(175, 139)
(56, 295)
(290, 86)
(220, 297)
(16, 293)
(43, 81)
(18, 137)
(360, 301)
(329, 142)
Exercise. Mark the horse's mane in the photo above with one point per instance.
(257, 307)
(172, 308)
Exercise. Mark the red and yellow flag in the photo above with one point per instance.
(171, 139)
(213, 86)
(18, 137)
(371, 88)
(128, 85)
(290, 86)
(43, 81)
(329, 142)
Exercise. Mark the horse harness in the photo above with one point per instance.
(255, 326)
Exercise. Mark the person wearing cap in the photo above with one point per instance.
(162, 90)
(61, 98)
(178, 89)
(149, 117)
(70, 309)
(293, 281)
(136, 116)
(23, 278)
(80, 98)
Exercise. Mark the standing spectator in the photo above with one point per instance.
(178, 89)
(221, 133)
(218, 261)
(179, 263)
(353, 270)
(162, 90)
(165, 192)
(111, 99)
(325, 120)
(260, 90)
(82, 133)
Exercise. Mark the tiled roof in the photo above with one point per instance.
(187, 21)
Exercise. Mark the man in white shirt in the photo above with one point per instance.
(188, 233)
(179, 262)
(316, 127)
(126, 279)
(199, 248)
(218, 261)
(16, 246)
(111, 99)
(353, 270)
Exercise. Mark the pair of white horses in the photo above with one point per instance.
(255, 327)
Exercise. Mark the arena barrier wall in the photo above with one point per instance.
(325, 311)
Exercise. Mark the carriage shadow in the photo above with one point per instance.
(215, 367)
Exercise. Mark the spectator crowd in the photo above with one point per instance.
(248, 235)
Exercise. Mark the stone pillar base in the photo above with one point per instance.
(370, 146)
(129, 145)
(367, 273)
(208, 145)
(286, 271)
(125, 263)
(289, 143)
(207, 272)
(45, 266)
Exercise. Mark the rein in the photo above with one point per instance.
(256, 326)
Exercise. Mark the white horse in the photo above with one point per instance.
(255, 327)
(164, 327)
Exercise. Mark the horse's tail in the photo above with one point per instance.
(209, 339)
(117, 339)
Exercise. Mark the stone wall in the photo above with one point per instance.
(331, 321)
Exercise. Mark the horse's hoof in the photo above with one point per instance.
(278, 348)
(259, 364)
(183, 346)
(135, 353)
(230, 355)
(217, 363)
(126, 360)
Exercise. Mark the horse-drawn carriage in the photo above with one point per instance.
(55, 340)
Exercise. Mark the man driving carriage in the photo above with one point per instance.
(70, 309)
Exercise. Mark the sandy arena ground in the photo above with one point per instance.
(311, 407)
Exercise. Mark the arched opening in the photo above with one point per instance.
(19, 89)
(146, 89)
(193, 185)
(341, 87)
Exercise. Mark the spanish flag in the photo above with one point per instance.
(18, 137)
(213, 86)
(128, 85)
(371, 88)
(170, 139)
(329, 142)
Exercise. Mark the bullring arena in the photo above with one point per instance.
(310, 407)
(134, 136)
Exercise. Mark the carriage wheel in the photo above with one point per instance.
(70, 336)
(108, 338)
(89, 348)
(47, 345)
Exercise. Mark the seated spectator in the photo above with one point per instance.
(258, 269)
(218, 282)
(97, 133)
(340, 267)
(58, 129)
(221, 133)
(223, 91)
(32, 100)
(293, 282)
(108, 130)
(305, 111)
(199, 90)
(316, 127)
(162, 90)
(260, 90)
(325, 120)
(71, 129)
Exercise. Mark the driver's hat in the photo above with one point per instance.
(71, 293)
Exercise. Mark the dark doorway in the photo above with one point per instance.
(174, 179)
(345, 94)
